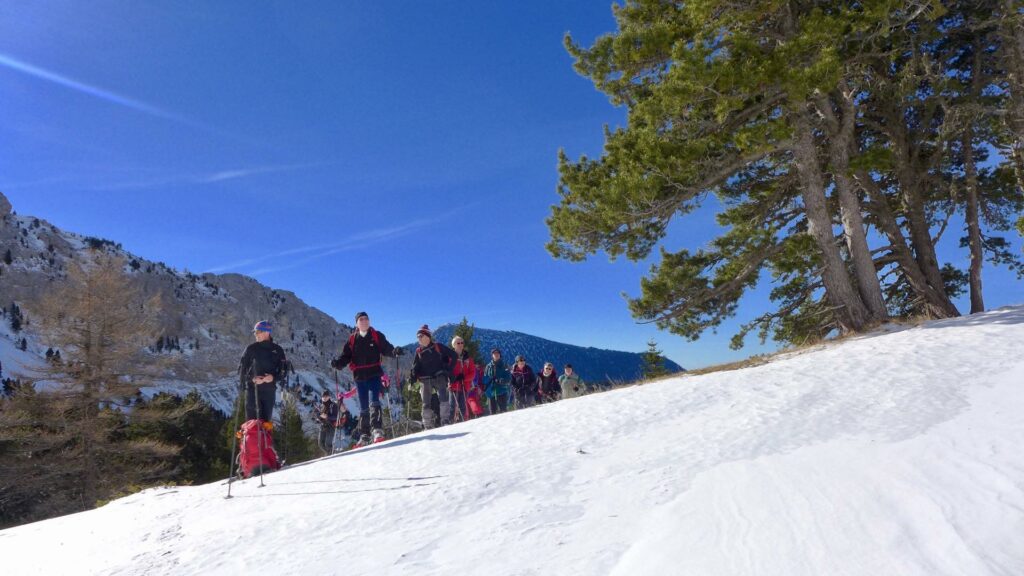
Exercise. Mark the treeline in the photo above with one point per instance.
(842, 141)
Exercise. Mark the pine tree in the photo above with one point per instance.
(654, 362)
(800, 118)
(67, 447)
(8, 257)
(291, 442)
(465, 330)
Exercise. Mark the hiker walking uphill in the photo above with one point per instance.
(571, 383)
(496, 381)
(463, 375)
(263, 365)
(362, 354)
(328, 418)
(524, 383)
(547, 383)
(432, 367)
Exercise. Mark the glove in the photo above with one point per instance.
(399, 351)
(458, 377)
(575, 388)
(336, 363)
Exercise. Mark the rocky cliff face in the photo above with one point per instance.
(208, 317)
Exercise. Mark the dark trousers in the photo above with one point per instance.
(259, 401)
(369, 393)
(499, 404)
(524, 398)
(460, 412)
(326, 440)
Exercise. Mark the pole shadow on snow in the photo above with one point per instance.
(322, 492)
(400, 442)
(396, 479)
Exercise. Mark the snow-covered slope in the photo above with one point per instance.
(896, 453)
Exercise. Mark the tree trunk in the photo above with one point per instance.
(839, 145)
(915, 215)
(1011, 43)
(936, 305)
(850, 311)
(973, 226)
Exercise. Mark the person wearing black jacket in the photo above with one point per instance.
(547, 384)
(362, 354)
(263, 365)
(433, 367)
(328, 418)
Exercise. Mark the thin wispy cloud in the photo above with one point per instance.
(202, 179)
(315, 252)
(112, 97)
(357, 242)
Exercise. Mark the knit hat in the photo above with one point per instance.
(262, 326)
(425, 331)
(520, 357)
(496, 351)
(360, 315)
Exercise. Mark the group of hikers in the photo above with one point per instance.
(451, 385)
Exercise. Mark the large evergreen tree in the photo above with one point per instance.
(810, 122)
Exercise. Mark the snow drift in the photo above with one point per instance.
(901, 452)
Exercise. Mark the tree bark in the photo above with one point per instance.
(973, 226)
(917, 220)
(936, 305)
(840, 142)
(1011, 43)
(850, 311)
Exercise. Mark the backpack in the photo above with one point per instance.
(352, 346)
(256, 448)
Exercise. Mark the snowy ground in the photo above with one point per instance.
(898, 453)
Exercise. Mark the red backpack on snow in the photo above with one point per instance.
(256, 448)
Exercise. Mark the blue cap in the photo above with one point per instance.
(262, 326)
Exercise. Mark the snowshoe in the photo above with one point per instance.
(364, 440)
(378, 436)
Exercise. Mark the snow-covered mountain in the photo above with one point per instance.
(593, 364)
(898, 452)
(208, 316)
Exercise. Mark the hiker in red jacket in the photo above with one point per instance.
(463, 376)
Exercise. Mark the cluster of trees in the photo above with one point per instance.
(84, 434)
(840, 139)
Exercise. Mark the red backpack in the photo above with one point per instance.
(257, 447)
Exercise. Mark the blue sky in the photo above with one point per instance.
(398, 157)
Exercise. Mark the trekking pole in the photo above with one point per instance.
(261, 430)
(234, 442)
(337, 394)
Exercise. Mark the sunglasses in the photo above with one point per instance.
(459, 343)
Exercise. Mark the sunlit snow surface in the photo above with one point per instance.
(901, 453)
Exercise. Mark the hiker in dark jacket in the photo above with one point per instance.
(432, 367)
(263, 365)
(547, 383)
(524, 383)
(362, 354)
(496, 380)
(328, 418)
